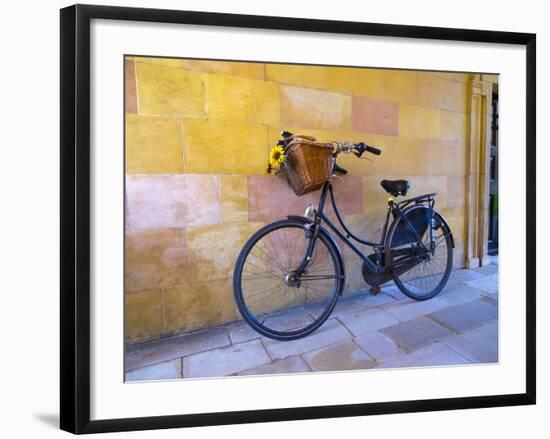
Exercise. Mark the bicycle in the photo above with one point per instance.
(290, 273)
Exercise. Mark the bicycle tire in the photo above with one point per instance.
(439, 271)
(317, 311)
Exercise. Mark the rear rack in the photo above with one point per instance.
(417, 200)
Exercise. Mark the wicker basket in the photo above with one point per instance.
(308, 164)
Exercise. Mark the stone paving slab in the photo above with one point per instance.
(435, 354)
(410, 309)
(169, 348)
(378, 346)
(487, 269)
(295, 364)
(457, 295)
(466, 316)
(478, 345)
(169, 370)
(297, 318)
(226, 361)
(366, 321)
(488, 284)
(364, 301)
(489, 329)
(466, 275)
(330, 332)
(356, 302)
(414, 334)
(392, 290)
(240, 332)
(342, 356)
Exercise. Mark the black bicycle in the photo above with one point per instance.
(290, 273)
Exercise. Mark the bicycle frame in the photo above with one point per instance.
(393, 207)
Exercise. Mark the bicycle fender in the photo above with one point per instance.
(448, 228)
(435, 213)
(301, 218)
(306, 220)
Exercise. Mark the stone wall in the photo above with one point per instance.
(198, 135)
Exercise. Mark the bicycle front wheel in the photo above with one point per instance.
(271, 297)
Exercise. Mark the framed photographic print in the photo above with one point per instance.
(273, 218)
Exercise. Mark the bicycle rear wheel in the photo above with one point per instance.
(418, 273)
(271, 297)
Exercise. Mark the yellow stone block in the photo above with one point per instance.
(440, 93)
(447, 157)
(169, 91)
(229, 98)
(234, 198)
(354, 278)
(454, 126)
(153, 145)
(400, 156)
(213, 250)
(366, 226)
(267, 103)
(458, 77)
(143, 315)
(301, 75)
(167, 62)
(456, 191)
(420, 122)
(251, 70)
(375, 198)
(307, 108)
(456, 218)
(421, 185)
(220, 147)
(198, 305)
(391, 85)
(459, 255)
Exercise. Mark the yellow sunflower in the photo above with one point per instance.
(277, 157)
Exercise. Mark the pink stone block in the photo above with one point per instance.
(270, 198)
(172, 201)
(375, 116)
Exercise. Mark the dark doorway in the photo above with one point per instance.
(493, 180)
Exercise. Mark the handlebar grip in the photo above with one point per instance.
(372, 150)
(362, 147)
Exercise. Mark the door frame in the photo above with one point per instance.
(479, 154)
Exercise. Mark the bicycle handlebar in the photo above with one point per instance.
(356, 148)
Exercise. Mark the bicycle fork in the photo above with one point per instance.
(312, 231)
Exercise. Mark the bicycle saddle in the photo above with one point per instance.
(395, 187)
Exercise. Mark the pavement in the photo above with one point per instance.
(389, 330)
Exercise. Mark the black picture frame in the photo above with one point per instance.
(75, 217)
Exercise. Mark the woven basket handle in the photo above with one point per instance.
(297, 138)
